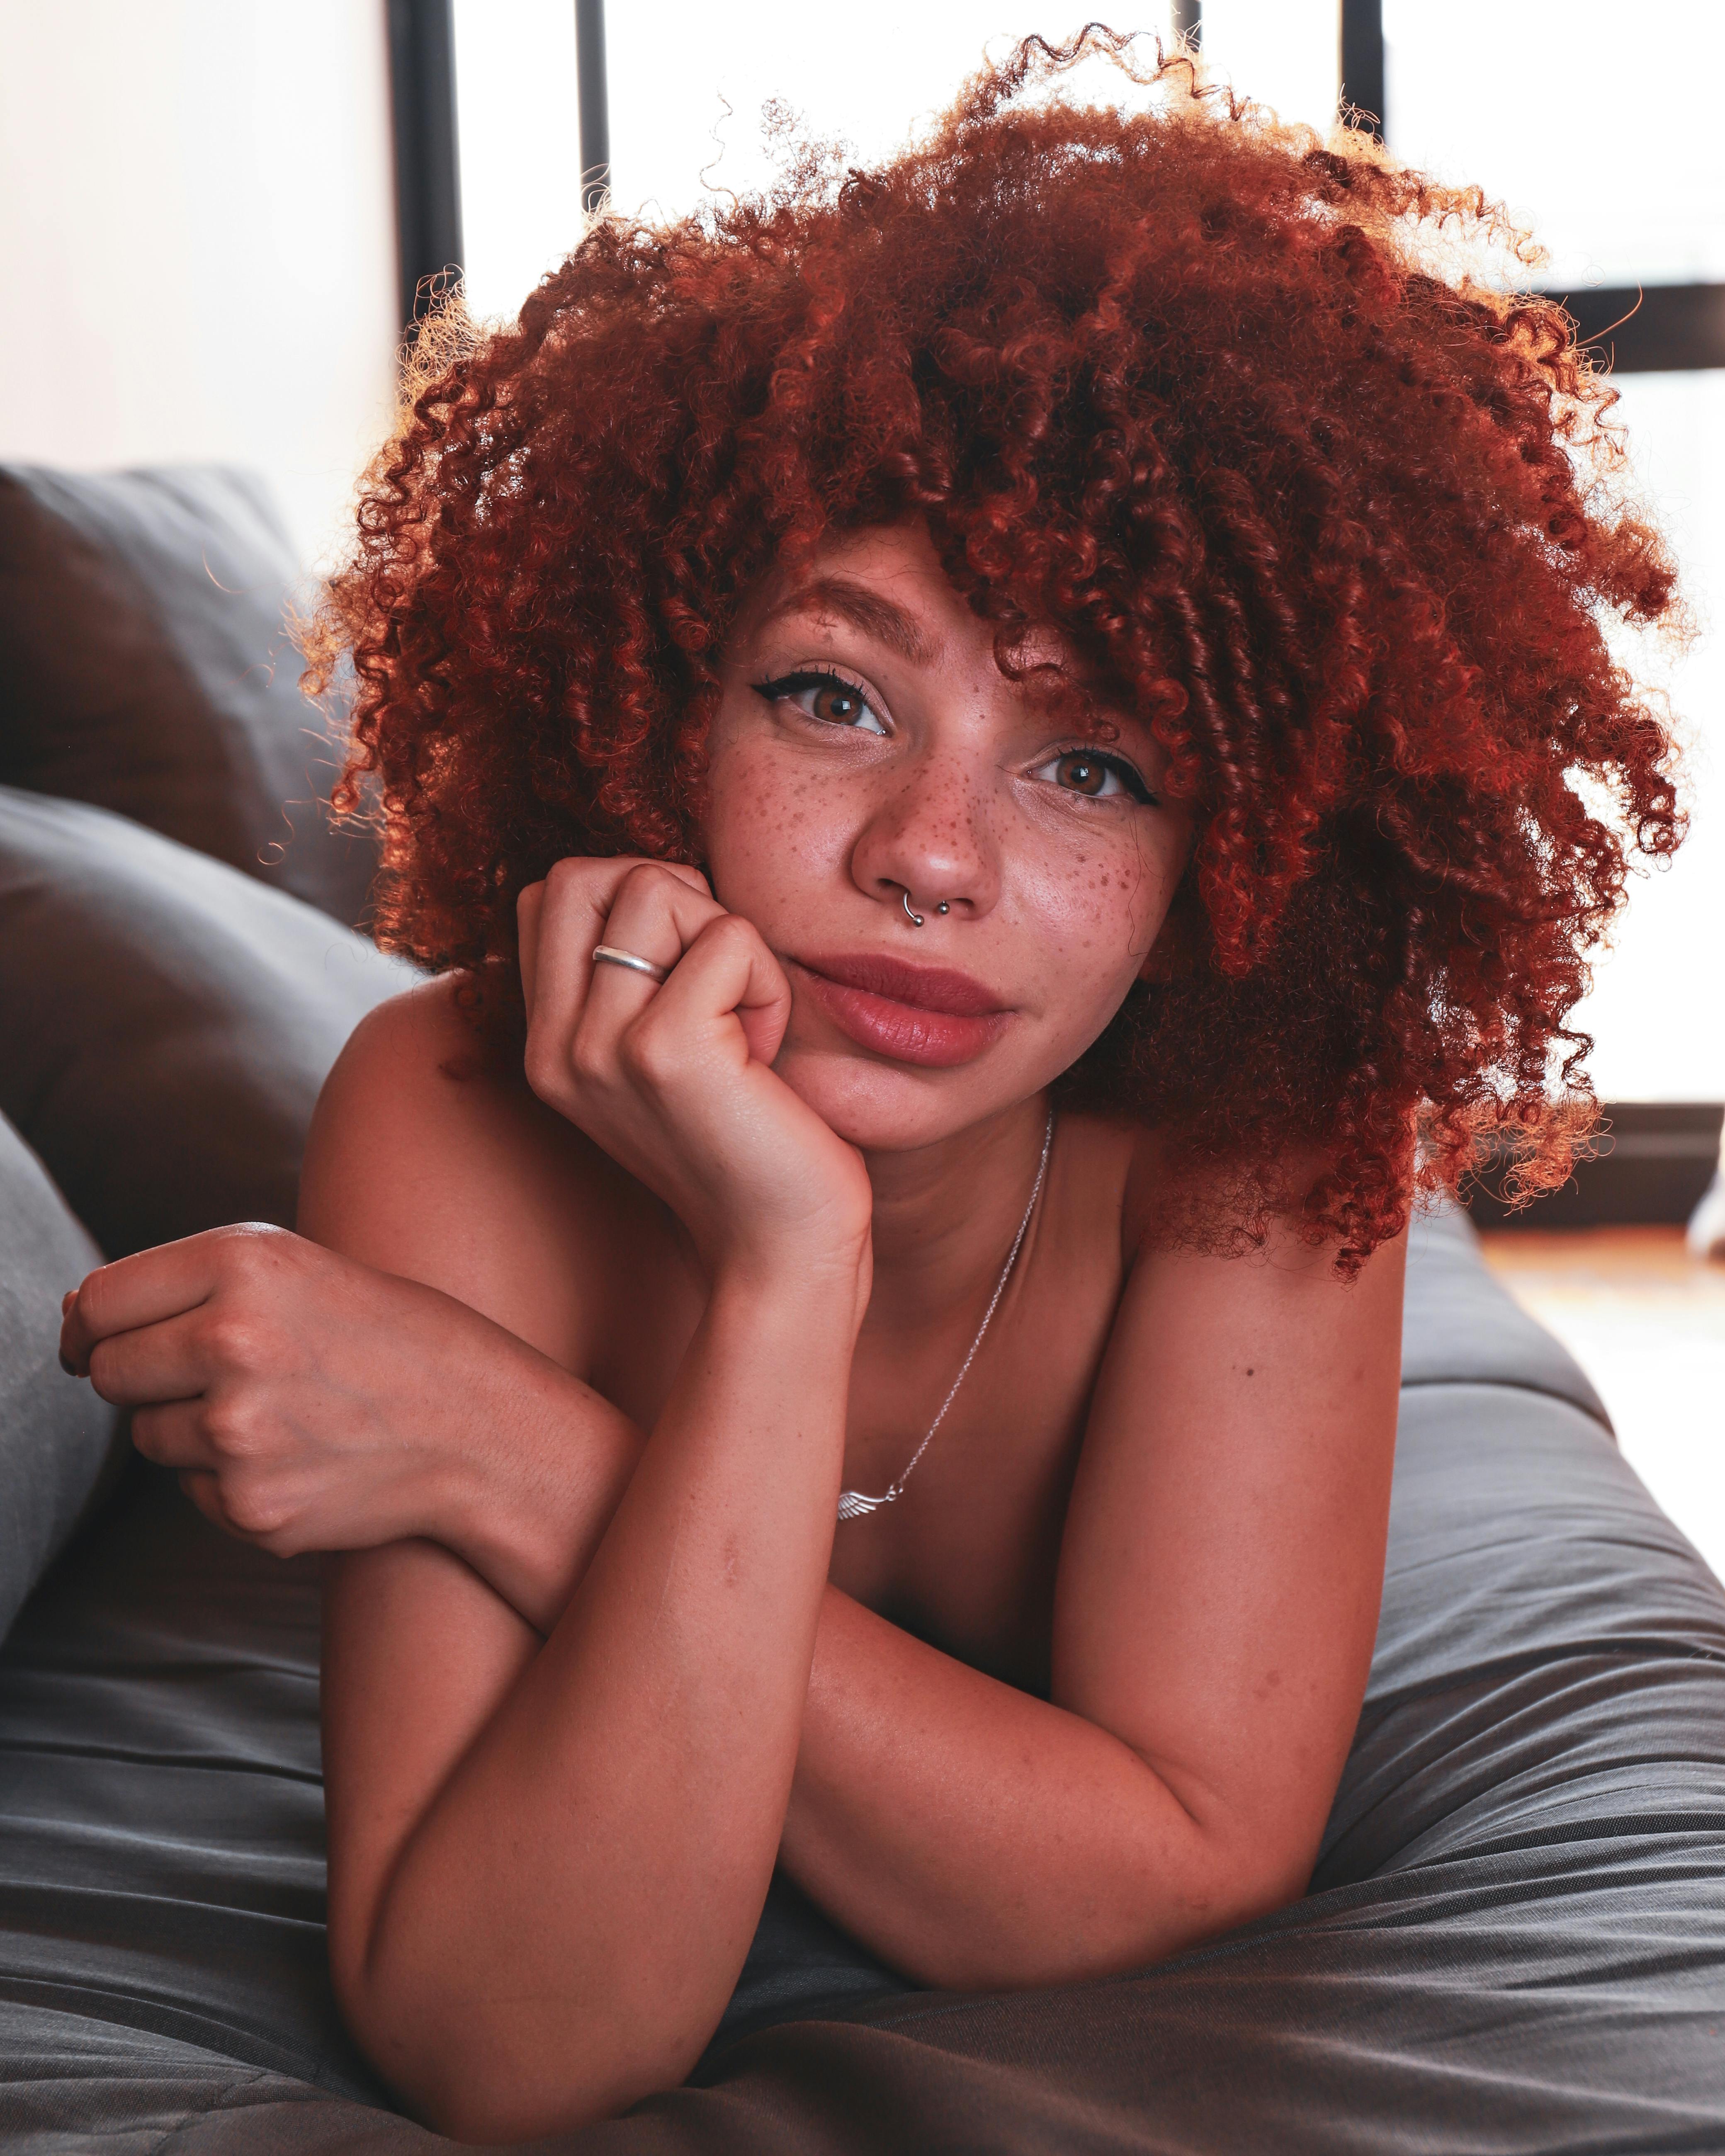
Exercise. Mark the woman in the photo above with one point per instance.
(1014, 718)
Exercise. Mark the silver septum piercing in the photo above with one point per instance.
(915, 919)
(608, 954)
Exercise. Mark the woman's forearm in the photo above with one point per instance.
(981, 1839)
(594, 1867)
(526, 1498)
(972, 1834)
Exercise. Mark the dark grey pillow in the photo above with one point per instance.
(145, 666)
(1461, 1326)
(57, 1441)
(169, 1022)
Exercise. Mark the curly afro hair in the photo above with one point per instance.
(1195, 389)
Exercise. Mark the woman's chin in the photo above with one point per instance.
(881, 1106)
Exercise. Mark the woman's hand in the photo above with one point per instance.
(310, 1402)
(676, 1081)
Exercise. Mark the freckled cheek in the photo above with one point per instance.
(772, 833)
(1097, 906)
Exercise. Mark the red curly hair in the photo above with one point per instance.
(1181, 382)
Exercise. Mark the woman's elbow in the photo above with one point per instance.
(1233, 1882)
(1126, 1919)
(480, 2096)
(498, 2068)
(1233, 1874)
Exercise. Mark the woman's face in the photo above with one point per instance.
(867, 747)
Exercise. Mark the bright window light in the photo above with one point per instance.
(687, 89)
(519, 145)
(861, 75)
(1658, 1011)
(1284, 53)
(1604, 139)
(688, 93)
(1597, 124)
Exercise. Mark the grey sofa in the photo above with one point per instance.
(1514, 1939)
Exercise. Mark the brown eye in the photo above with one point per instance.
(827, 698)
(1095, 777)
(839, 705)
(1082, 774)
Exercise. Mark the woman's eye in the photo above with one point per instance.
(1094, 776)
(828, 697)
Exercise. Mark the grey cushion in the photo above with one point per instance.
(1461, 1325)
(180, 1019)
(1514, 1942)
(145, 666)
(57, 1441)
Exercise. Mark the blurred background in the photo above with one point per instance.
(215, 216)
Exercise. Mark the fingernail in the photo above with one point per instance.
(67, 1299)
(66, 1366)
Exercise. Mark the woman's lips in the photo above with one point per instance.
(922, 1014)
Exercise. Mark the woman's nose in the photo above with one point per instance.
(929, 848)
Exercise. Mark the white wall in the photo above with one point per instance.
(197, 239)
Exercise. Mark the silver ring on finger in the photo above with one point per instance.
(608, 954)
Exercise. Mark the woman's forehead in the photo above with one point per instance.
(887, 581)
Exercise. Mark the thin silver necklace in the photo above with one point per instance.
(856, 1504)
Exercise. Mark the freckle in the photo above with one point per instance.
(1251, 1373)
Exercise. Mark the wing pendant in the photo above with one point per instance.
(853, 1505)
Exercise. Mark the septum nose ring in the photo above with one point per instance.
(915, 918)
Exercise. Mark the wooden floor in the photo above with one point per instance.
(1646, 1322)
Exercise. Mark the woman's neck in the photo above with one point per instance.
(945, 1216)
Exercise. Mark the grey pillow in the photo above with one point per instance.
(1461, 1326)
(59, 1443)
(170, 1022)
(145, 667)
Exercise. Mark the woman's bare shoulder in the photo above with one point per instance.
(430, 1157)
(417, 1070)
(1118, 1169)
(1183, 1216)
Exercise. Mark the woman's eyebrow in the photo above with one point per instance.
(872, 613)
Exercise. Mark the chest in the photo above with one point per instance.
(966, 1556)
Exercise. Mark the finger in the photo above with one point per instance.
(530, 905)
(174, 1436)
(568, 918)
(580, 902)
(205, 1491)
(727, 973)
(149, 1286)
(247, 1515)
(169, 1361)
(656, 915)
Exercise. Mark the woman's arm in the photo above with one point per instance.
(558, 1931)
(1217, 1601)
(541, 1900)
(1216, 1608)
(1208, 1665)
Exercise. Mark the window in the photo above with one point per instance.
(1658, 1011)
(1599, 127)
(520, 146)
